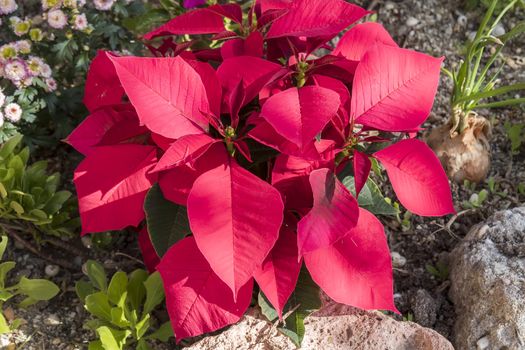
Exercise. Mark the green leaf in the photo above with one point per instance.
(117, 289)
(142, 345)
(118, 318)
(4, 326)
(5, 267)
(5, 295)
(303, 301)
(3, 191)
(167, 221)
(370, 197)
(266, 307)
(97, 275)
(38, 289)
(56, 202)
(142, 327)
(163, 334)
(112, 339)
(27, 302)
(84, 289)
(95, 345)
(136, 288)
(154, 292)
(3, 246)
(16, 207)
(98, 305)
(9, 146)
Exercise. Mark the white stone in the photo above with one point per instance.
(412, 21)
(398, 260)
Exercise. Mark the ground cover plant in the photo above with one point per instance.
(122, 308)
(239, 152)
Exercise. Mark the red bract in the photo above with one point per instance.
(260, 145)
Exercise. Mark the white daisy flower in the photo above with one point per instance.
(15, 70)
(13, 112)
(7, 6)
(103, 5)
(81, 22)
(56, 19)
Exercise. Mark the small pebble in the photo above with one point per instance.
(56, 341)
(398, 260)
(471, 36)
(412, 21)
(499, 30)
(52, 270)
(86, 241)
(52, 320)
(462, 20)
(483, 343)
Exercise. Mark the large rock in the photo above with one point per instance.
(488, 284)
(332, 328)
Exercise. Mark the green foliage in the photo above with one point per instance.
(121, 308)
(33, 290)
(303, 301)
(440, 271)
(516, 135)
(370, 197)
(29, 194)
(167, 221)
(474, 80)
(473, 4)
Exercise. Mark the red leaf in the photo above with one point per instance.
(100, 126)
(111, 185)
(300, 114)
(362, 166)
(197, 300)
(279, 273)
(235, 217)
(176, 183)
(251, 46)
(102, 84)
(264, 133)
(316, 18)
(149, 255)
(417, 177)
(187, 148)
(211, 84)
(334, 213)
(357, 269)
(167, 93)
(255, 73)
(199, 21)
(358, 40)
(394, 88)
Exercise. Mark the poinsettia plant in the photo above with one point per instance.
(245, 148)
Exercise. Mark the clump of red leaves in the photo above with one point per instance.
(202, 123)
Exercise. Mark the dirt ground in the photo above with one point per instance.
(437, 27)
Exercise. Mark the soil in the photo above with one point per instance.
(437, 27)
